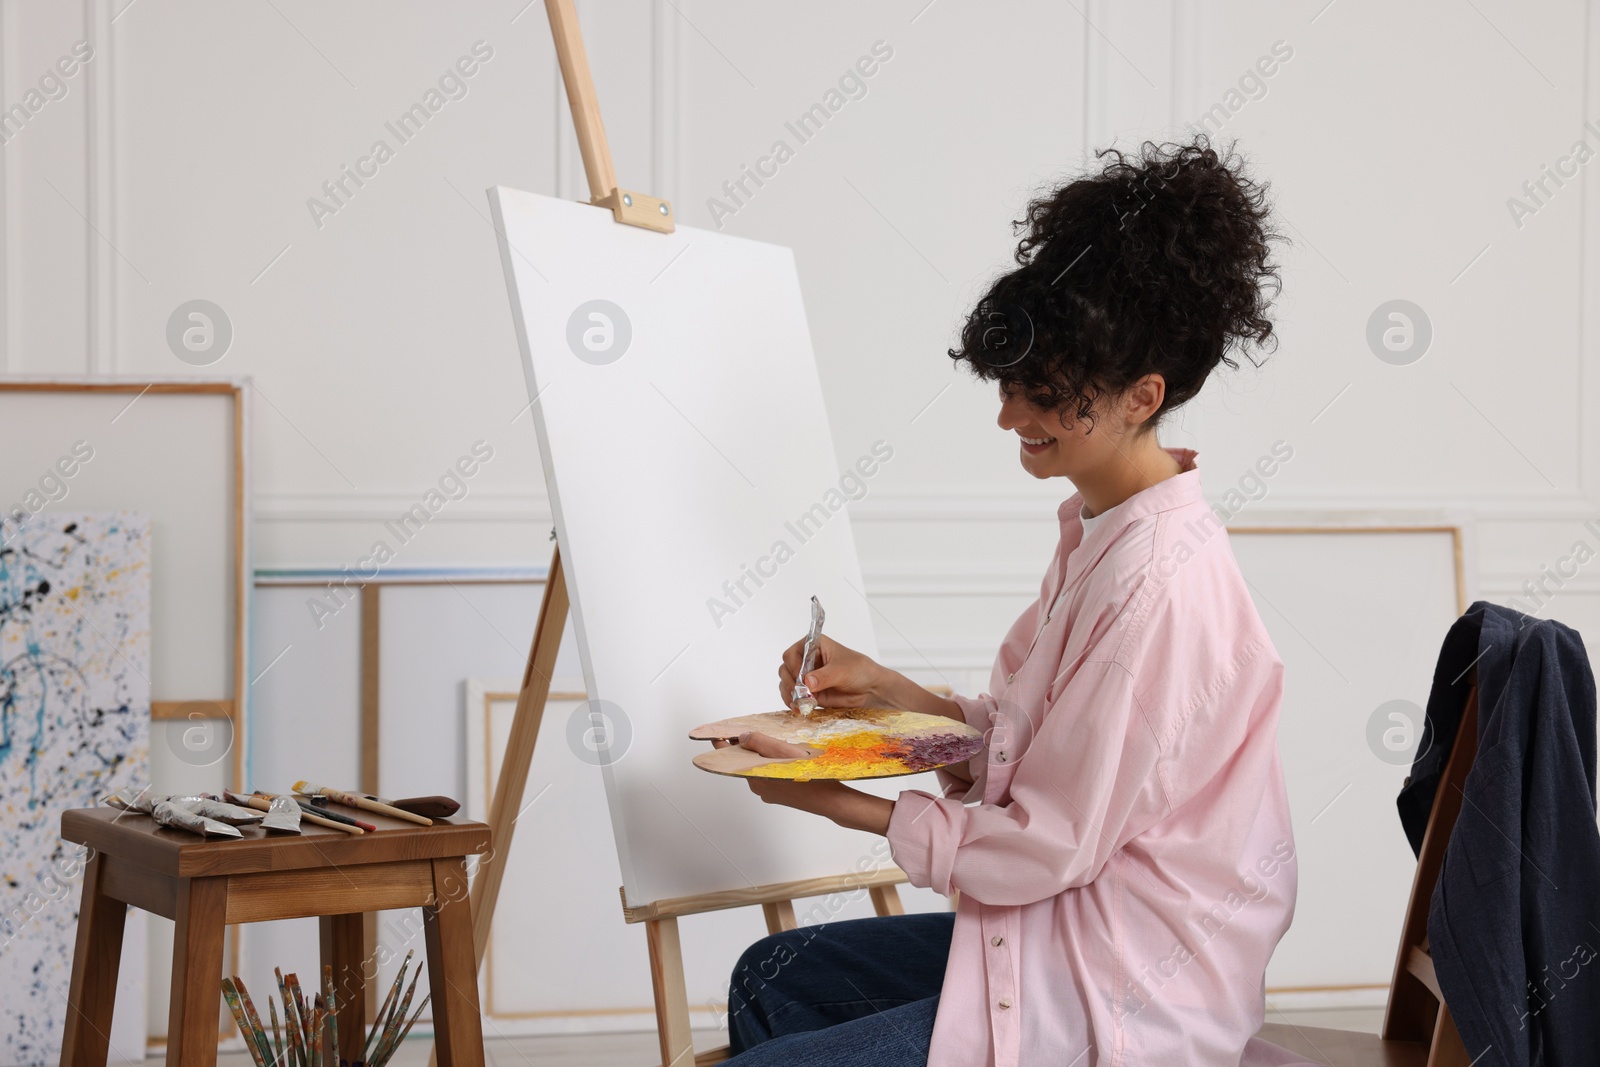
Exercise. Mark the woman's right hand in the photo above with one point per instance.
(843, 677)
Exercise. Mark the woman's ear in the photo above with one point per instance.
(1143, 398)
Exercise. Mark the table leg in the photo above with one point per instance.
(94, 972)
(452, 967)
(345, 949)
(194, 1017)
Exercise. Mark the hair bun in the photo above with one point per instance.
(1160, 262)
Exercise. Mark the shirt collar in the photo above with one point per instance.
(1182, 488)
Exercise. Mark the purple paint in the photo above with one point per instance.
(937, 750)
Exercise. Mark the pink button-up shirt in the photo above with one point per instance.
(1128, 867)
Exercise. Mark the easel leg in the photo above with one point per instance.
(95, 961)
(672, 995)
(886, 900)
(344, 948)
(194, 1017)
(518, 758)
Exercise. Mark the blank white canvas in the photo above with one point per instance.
(1355, 865)
(670, 470)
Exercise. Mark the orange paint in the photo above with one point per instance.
(861, 754)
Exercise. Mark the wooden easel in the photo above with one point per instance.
(660, 917)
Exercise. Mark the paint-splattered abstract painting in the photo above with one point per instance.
(74, 725)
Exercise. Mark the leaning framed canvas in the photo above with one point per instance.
(174, 450)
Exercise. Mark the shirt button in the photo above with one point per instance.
(1010, 676)
(997, 941)
(1005, 1003)
(1001, 757)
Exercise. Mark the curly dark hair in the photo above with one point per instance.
(1160, 262)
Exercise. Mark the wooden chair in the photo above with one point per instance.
(203, 884)
(1417, 1028)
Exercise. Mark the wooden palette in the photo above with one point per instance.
(844, 744)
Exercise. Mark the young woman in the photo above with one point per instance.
(1122, 849)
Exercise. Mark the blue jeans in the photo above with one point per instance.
(855, 993)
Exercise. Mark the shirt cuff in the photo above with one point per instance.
(923, 832)
(976, 711)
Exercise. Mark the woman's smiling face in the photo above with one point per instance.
(1098, 451)
(1049, 449)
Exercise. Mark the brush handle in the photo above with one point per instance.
(329, 823)
(230, 995)
(355, 800)
(310, 804)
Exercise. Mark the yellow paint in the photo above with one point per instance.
(861, 754)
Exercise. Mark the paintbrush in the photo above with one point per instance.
(432, 807)
(288, 1023)
(402, 1035)
(377, 1027)
(230, 994)
(319, 803)
(277, 1034)
(386, 1043)
(333, 1008)
(356, 800)
(293, 1021)
(302, 1036)
(254, 1016)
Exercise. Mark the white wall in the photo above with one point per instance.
(179, 164)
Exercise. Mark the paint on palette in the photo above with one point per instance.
(74, 725)
(873, 754)
(855, 743)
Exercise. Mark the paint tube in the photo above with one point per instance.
(283, 814)
(175, 815)
(211, 806)
(223, 812)
(205, 808)
(143, 801)
(804, 701)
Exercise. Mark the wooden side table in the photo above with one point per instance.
(203, 884)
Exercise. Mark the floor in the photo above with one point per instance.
(639, 1049)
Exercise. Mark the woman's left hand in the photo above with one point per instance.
(834, 800)
(806, 796)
